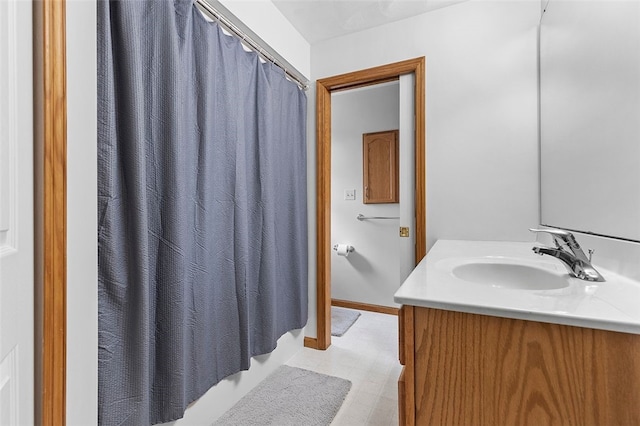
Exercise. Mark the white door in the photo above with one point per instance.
(407, 174)
(16, 214)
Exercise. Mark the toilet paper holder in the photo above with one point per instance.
(343, 249)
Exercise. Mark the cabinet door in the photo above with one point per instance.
(483, 370)
(380, 167)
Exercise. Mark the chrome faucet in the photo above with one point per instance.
(569, 252)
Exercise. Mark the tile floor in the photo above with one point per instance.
(367, 355)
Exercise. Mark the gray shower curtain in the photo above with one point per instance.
(202, 208)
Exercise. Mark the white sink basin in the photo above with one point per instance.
(506, 279)
(504, 274)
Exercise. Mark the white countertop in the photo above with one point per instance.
(611, 305)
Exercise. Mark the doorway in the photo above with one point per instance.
(324, 88)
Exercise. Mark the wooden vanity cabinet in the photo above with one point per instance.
(467, 369)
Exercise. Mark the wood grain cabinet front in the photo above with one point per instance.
(467, 369)
(380, 158)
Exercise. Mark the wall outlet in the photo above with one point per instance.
(349, 194)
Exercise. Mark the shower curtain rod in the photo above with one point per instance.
(231, 23)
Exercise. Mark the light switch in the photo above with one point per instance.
(349, 194)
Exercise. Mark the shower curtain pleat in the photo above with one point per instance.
(202, 233)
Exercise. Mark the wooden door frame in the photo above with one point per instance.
(324, 88)
(51, 202)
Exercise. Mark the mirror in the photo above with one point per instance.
(590, 117)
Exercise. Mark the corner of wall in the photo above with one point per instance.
(264, 19)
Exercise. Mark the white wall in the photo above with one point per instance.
(481, 118)
(370, 274)
(82, 216)
(266, 21)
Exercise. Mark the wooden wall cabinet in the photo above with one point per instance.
(467, 369)
(380, 154)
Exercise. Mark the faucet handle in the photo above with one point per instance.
(559, 236)
(590, 254)
(552, 231)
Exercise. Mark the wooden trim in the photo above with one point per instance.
(323, 214)
(370, 76)
(401, 340)
(369, 83)
(365, 307)
(311, 342)
(55, 199)
(324, 88)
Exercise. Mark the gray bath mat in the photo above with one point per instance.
(342, 319)
(290, 396)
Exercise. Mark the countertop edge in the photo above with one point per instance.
(521, 315)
